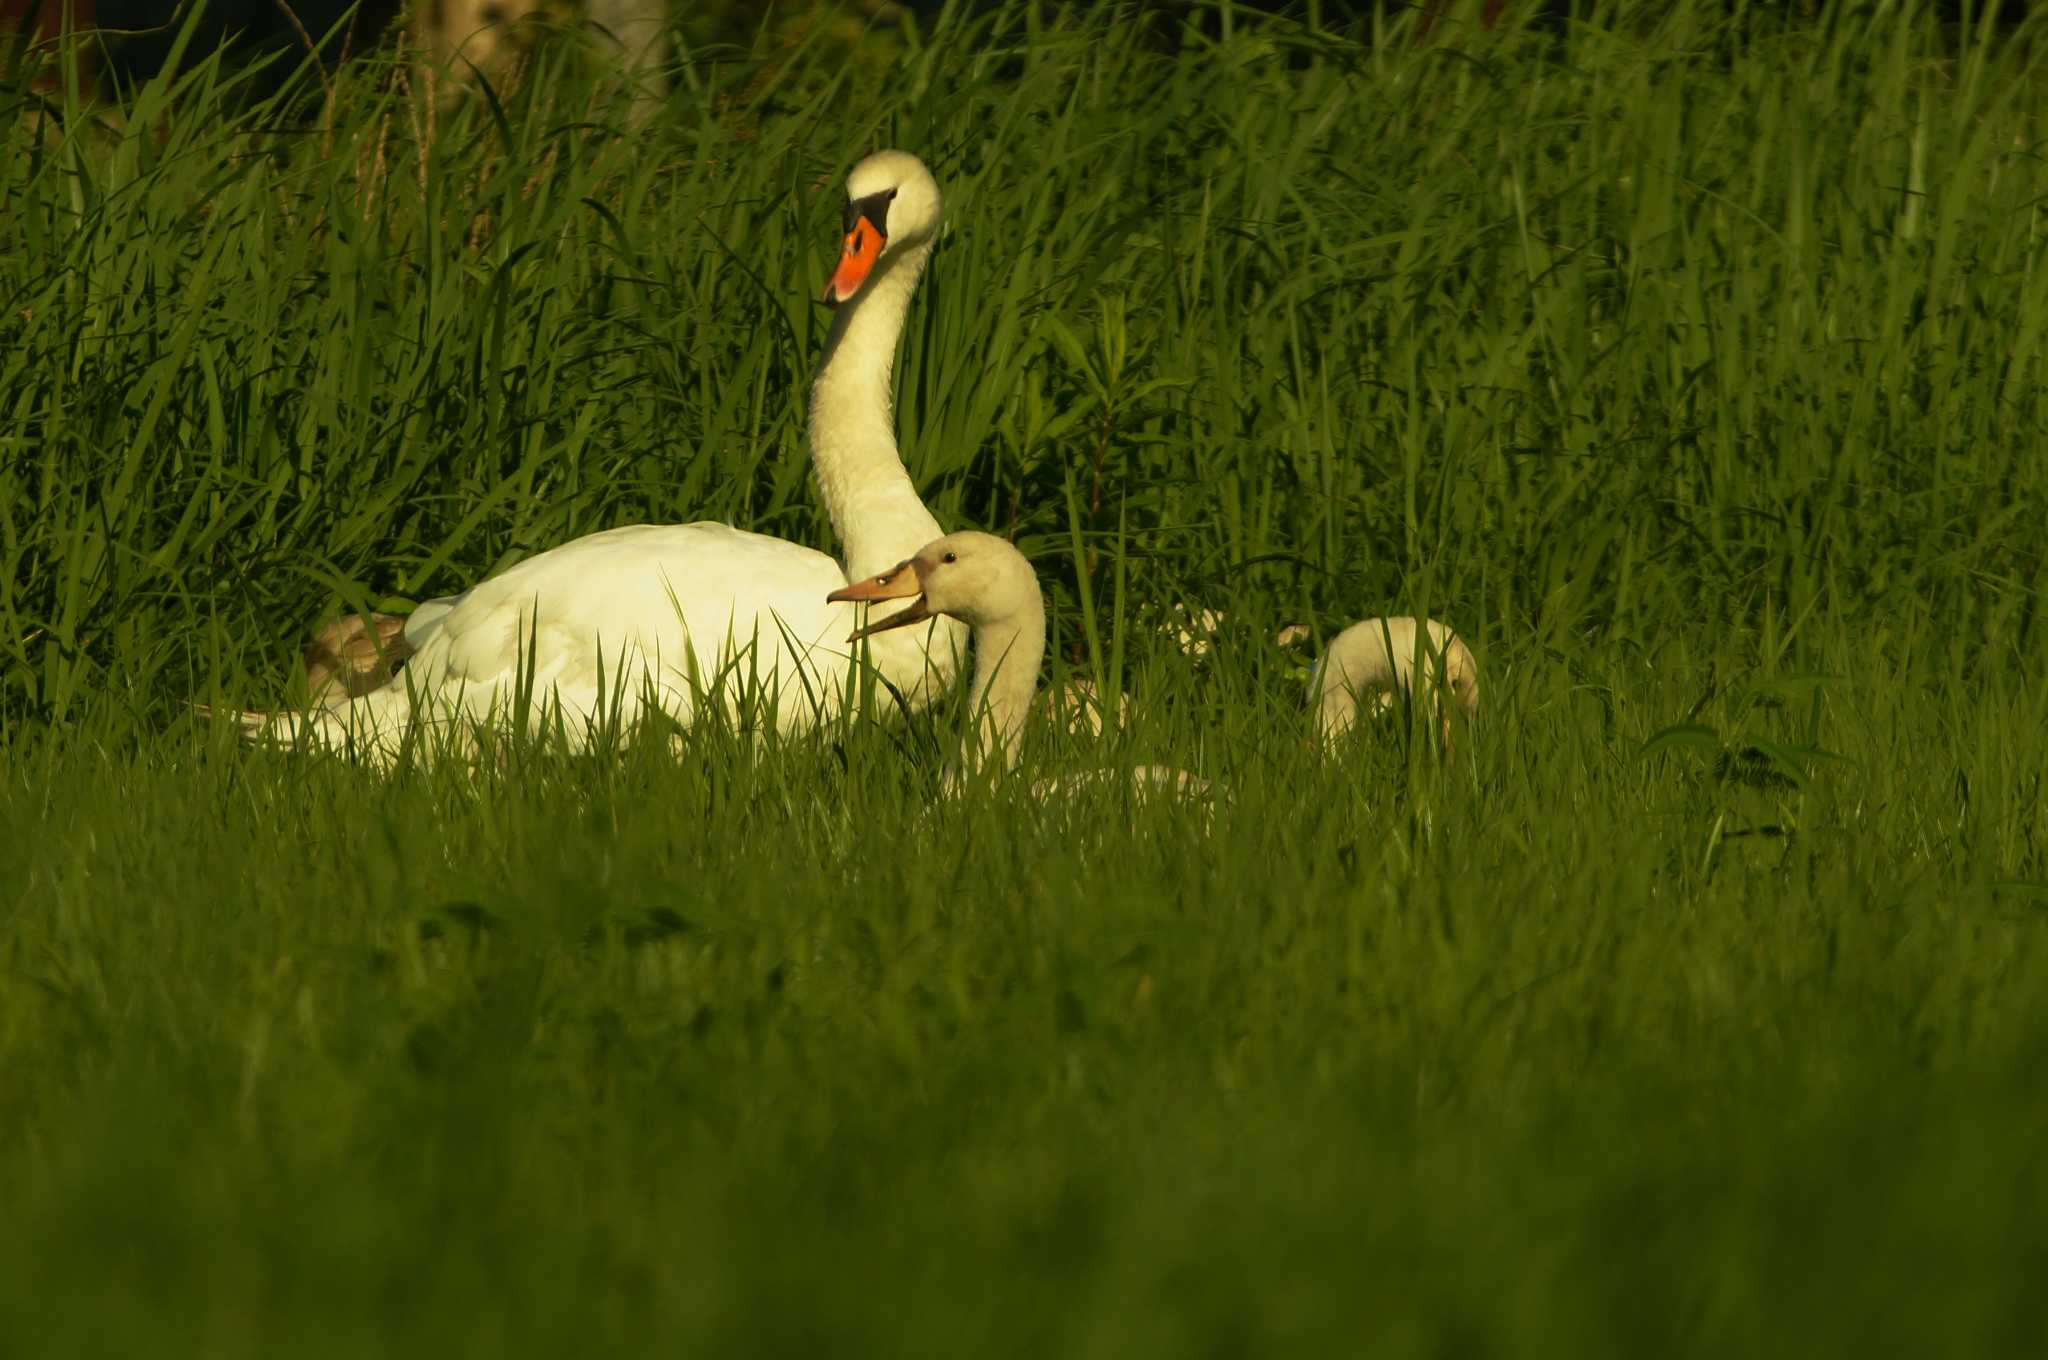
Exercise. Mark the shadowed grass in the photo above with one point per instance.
(772, 1047)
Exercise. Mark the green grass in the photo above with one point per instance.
(1691, 365)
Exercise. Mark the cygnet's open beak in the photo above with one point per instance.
(899, 582)
(867, 232)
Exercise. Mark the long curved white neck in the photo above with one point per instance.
(874, 505)
(1007, 656)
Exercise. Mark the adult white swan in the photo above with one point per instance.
(677, 614)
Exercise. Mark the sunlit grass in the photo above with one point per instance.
(1689, 366)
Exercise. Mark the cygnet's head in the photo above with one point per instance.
(892, 204)
(977, 578)
(1461, 673)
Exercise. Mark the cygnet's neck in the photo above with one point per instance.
(874, 505)
(1007, 654)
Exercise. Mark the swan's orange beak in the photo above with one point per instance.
(897, 583)
(856, 258)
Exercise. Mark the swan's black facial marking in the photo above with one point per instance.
(875, 208)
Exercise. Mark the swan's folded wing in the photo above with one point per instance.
(425, 619)
(651, 600)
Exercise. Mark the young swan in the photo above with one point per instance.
(1078, 708)
(1370, 665)
(986, 583)
(354, 655)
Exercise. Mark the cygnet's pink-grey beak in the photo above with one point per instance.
(899, 582)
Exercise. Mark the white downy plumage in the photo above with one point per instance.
(677, 613)
(1369, 666)
(987, 584)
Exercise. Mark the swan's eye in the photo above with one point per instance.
(950, 557)
(875, 208)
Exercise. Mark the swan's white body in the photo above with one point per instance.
(986, 583)
(684, 615)
(1369, 666)
(593, 632)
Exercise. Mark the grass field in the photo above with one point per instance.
(1690, 363)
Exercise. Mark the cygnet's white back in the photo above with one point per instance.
(1372, 663)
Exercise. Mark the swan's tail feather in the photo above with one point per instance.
(290, 726)
(372, 727)
(253, 722)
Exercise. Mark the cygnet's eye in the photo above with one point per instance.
(950, 557)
